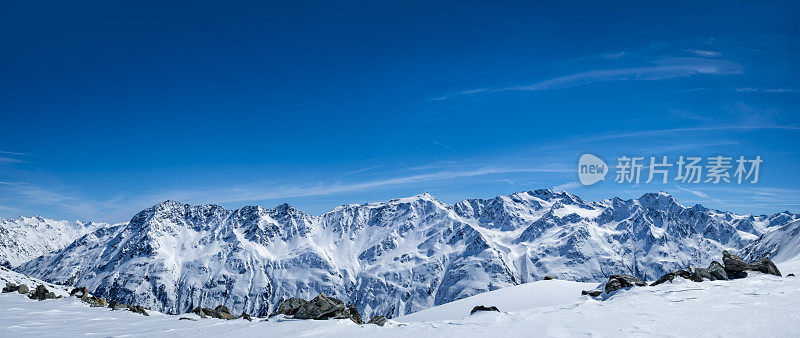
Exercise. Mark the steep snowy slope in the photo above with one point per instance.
(391, 258)
(781, 244)
(757, 306)
(26, 238)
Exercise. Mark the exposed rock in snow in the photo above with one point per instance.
(484, 308)
(736, 266)
(391, 258)
(765, 265)
(717, 271)
(616, 282)
(378, 320)
(41, 293)
(680, 273)
(733, 262)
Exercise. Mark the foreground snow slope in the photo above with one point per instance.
(391, 258)
(515, 298)
(760, 305)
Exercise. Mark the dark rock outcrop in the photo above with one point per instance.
(377, 320)
(701, 274)
(246, 317)
(203, 312)
(616, 282)
(669, 277)
(10, 287)
(322, 307)
(736, 274)
(550, 277)
(41, 293)
(355, 316)
(138, 309)
(733, 262)
(484, 308)
(222, 312)
(219, 312)
(95, 301)
(717, 271)
(113, 305)
(790, 275)
(736, 267)
(79, 292)
(765, 265)
(187, 318)
(592, 293)
(290, 306)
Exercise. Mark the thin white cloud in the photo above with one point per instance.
(680, 130)
(361, 170)
(704, 53)
(566, 186)
(463, 92)
(251, 193)
(697, 193)
(660, 69)
(508, 181)
(630, 74)
(9, 160)
(765, 90)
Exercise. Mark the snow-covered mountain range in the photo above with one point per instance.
(391, 258)
(26, 238)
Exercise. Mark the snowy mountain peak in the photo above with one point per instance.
(423, 197)
(659, 200)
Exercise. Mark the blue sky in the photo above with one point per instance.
(108, 108)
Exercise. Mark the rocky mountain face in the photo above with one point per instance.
(782, 244)
(390, 258)
(26, 238)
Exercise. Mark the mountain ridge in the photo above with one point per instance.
(390, 258)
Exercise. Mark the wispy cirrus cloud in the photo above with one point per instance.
(10, 157)
(9, 160)
(122, 207)
(255, 193)
(650, 69)
(766, 90)
(655, 132)
(566, 186)
(361, 170)
(628, 74)
(704, 53)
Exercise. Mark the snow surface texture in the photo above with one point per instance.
(392, 258)
(26, 238)
(760, 305)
